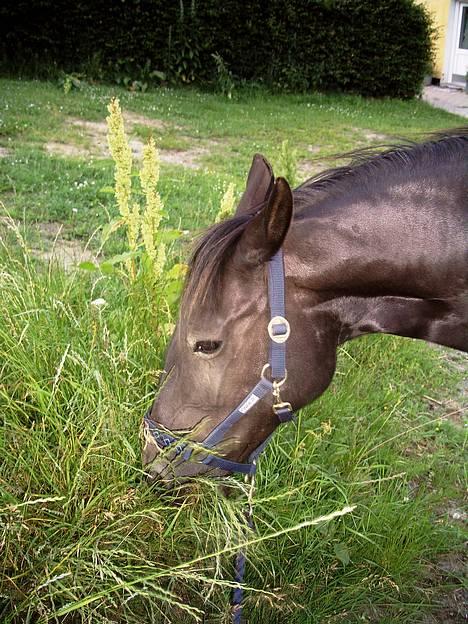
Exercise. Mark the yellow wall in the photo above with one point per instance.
(440, 12)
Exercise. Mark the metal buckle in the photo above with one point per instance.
(283, 405)
(275, 321)
(276, 383)
(278, 405)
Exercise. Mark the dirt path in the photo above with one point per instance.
(92, 141)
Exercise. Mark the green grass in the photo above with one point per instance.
(82, 536)
(44, 188)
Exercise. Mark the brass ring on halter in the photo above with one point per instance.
(276, 383)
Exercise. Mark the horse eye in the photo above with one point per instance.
(207, 346)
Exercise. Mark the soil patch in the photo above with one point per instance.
(49, 245)
(369, 135)
(55, 248)
(94, 134)
(134, 119)
(451, 607)
(455, 408)
(66, 149)
(4, 152)
(366, 135)
(68, 253)
(186, 158)
(308, 168)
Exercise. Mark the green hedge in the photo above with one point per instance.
(374, 47)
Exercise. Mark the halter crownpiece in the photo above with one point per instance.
(279, 331)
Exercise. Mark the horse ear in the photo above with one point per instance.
(259, 184)
(265, 234)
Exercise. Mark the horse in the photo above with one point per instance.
(376, 246)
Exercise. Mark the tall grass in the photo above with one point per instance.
(84, 539)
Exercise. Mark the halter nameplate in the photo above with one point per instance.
(248, 403)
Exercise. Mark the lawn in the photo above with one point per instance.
(82, 536)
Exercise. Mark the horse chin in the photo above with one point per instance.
(173, 475)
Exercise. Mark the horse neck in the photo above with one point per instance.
(382, 266)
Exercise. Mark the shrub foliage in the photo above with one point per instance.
(374, 47)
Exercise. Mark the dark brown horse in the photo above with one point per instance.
(377, 246)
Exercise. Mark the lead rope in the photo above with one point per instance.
(238, 592)
(279, 406)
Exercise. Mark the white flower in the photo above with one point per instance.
(98, 302)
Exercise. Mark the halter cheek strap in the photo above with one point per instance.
(278, 331)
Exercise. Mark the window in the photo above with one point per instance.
(463, 43)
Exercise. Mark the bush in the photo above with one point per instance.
(373, 47)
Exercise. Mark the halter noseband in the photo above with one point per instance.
(278, 330)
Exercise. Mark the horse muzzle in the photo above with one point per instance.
(167, 466)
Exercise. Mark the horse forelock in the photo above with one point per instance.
(208, 261)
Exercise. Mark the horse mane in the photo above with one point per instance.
(217, 244)
(367, 161)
